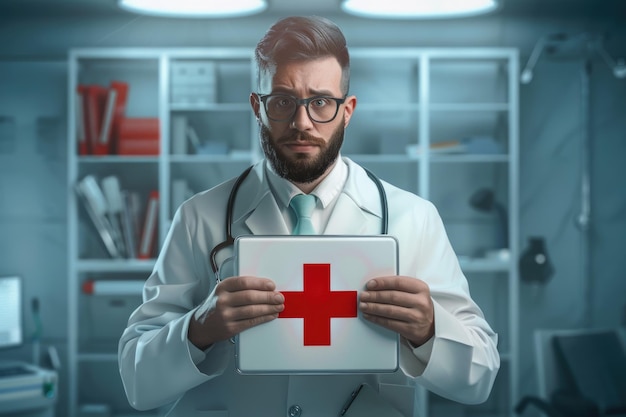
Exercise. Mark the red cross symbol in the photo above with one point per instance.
(317, 304)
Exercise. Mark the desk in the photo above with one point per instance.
(32, 393)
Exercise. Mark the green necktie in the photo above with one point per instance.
(303, 205)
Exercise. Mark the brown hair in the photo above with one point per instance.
(303, 39)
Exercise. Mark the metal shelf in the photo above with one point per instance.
(454, 87)
(114, 265)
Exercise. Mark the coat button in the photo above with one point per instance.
(295, 411)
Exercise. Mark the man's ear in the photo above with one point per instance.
(348, 108)
(255, 103)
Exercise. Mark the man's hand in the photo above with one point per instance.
(236, 304)
(401, 304)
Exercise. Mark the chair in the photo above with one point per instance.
(581, 373)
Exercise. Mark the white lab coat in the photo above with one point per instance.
(158, 366)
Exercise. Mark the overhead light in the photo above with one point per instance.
(418, 9)
(194, 8)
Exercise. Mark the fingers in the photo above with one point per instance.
(396, 291)
(250, 300)
(252, 297)
(409, 314)
(415, 324)
(401, 304)
(234, 327)
(246, 291)
(417, 332)
(251, 311)
(233, 306)
(389, 297)
(399, 283)
(247, 283)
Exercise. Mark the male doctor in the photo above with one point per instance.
(176, 350)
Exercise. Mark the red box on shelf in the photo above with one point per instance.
(139, 136)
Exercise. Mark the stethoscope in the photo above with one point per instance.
(231, 203)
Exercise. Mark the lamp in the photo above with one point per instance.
(551, 43)
(418, 9)
(484, 200)
(194, 8)
(617, 67)
(527, 73)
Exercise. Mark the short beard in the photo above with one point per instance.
(300, 170)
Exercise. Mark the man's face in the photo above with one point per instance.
(300, 149)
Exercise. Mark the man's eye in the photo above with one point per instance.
(284, 102)
(319, 102)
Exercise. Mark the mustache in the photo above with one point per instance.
(300, 137)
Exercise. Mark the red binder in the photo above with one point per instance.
(94, 102)
(120, 106)
(114, 110)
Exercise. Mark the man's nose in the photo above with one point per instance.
(301, 120)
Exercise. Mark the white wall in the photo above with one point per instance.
(32, 193)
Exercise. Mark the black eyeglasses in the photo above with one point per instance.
(282, 107)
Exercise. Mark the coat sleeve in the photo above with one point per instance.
(156, 361)
(461, 361)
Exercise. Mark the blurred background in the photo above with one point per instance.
(528, 181)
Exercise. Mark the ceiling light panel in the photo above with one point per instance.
(416, 9)
(194, 8)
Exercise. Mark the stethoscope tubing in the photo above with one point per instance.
(229, 240)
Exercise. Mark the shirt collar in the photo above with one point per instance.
(326, 191)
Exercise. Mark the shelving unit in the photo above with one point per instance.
(410, 101)
(152, 76)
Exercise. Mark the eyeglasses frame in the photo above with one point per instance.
(301, 102)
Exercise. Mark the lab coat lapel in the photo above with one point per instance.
(256, 211)
(266, 219)
(347, 218)
(358, 210)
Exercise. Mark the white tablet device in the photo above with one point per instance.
(321, 330)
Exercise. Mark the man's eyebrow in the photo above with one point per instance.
(322, 93)
(314, 93)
